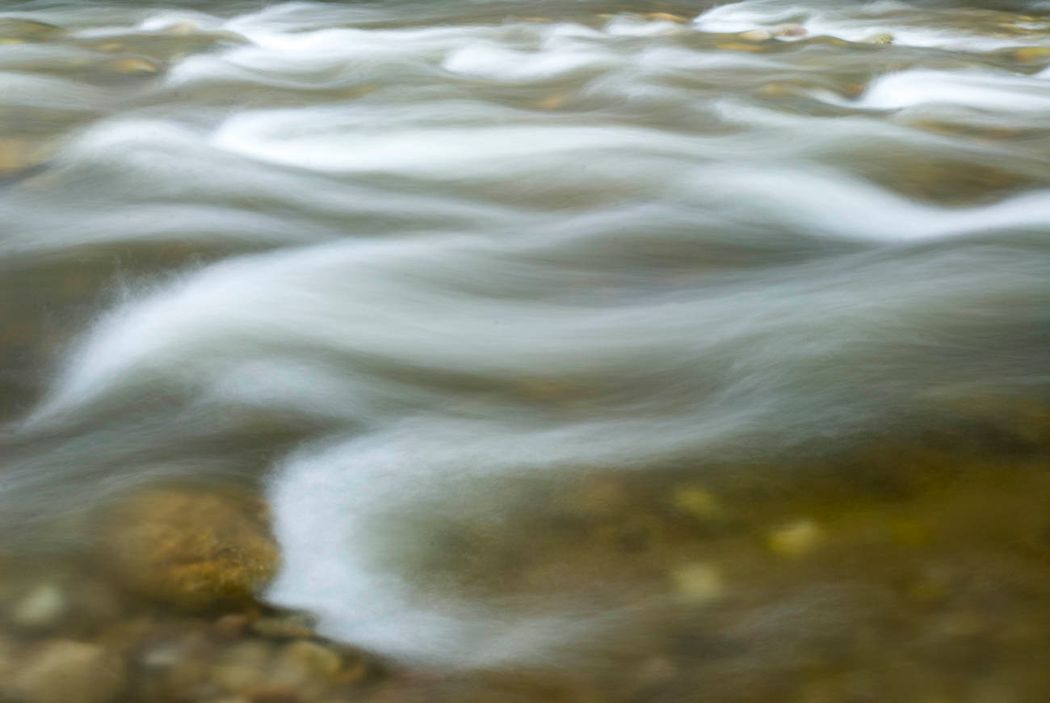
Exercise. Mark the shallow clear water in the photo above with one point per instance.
(656, 343)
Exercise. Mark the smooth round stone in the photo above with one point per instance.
(135, 66)
(191, 549)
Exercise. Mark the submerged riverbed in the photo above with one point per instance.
(548, 351)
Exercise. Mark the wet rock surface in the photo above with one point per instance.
(194, 550)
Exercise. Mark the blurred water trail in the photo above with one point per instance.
(399, 260)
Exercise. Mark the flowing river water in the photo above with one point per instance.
(582, 351)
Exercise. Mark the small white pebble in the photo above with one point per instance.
(42, 607)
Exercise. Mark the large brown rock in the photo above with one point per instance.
(191, 549)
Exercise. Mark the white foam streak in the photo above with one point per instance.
(337, 547)
(981, 91)
(824, 202)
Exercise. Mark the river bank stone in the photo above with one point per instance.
(192, 550)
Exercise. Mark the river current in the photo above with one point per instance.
(427, 273)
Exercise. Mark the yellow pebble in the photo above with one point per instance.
(133, 65)
(795, 539)
(698, 582)
(776, 90)
(697, 502)
(853, 90)
(882, 39)
(553, 102)
(1032, 53)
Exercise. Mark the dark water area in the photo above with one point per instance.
(506, 351)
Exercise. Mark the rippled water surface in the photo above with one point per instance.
(582, 351)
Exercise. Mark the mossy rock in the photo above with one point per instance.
(191, 549)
